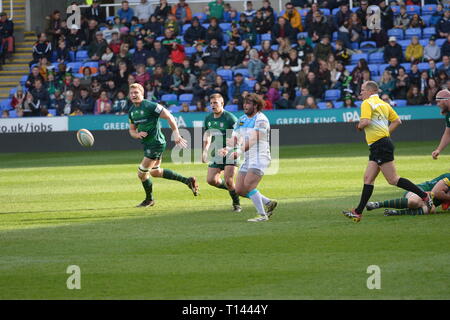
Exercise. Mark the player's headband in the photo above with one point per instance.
(442, 99)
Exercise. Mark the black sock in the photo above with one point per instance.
(365, 196)
(147, 184)
(409, 186)
(234, 196)
(401, 203)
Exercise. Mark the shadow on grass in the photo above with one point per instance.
(88, 158)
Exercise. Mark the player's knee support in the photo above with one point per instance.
(155, 171)
(142, 172)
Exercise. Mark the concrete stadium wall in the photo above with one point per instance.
(329, 133)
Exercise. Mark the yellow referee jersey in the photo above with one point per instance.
(380, 113)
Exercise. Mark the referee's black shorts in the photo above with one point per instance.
(382, 151)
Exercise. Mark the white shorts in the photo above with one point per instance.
(257, 166)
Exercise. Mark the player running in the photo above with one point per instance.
(375, 117)
(216, 125)
(443, 101)
(412, 203)
(251, 137)
(144, 125)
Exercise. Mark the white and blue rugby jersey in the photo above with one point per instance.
(245, 126)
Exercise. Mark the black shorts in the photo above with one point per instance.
(382, 151)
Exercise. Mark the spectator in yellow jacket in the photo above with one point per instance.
(414, 52)
(293, 16)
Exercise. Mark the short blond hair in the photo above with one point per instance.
(137, 86)
(372, 86)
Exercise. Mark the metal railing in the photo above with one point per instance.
(156, 2)
(11, 9)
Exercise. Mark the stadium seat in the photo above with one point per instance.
(274, 47)
(376, 78)
(358, 103)
(160, 38)
(110, 18)
(332, 95)
(5, 104)
(367, 45)
(350, 67)
(426, 20)
(192, 108)
(334, 11)
(174, 109)
(423, 66)
(205, 25)
(91, 64)
(411, 10)
(52, 112)
(376, 57)
(440, 42)
(326, 12)
(439, 64)
(74, 66)
(225, 26)
(407, 66)
(243, 71)
(373, 69)
(250, 83)
(185, 27)
(400, 103)
(404, 43)
(429, 9)
(189, 51)
(322, 105)
(411, 32)
(381, 68)
(339, 104)
(82, 55)
(304, 34)
(396, 10)
(266, 36)
(226, 74)
(334, 36)
(356, 57)
(398, 33)
(232, 107)
(428, 32)
(23, 80)
(303, 12)
(169, 98)
(200, 15)
(13, 114)
(354, 9)
(257, 47)
(185, 97)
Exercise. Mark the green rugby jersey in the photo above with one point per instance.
(146, 118)
(429, 185)
(447, 119)
(226, 121)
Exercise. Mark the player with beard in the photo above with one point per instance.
(216, 125)
(144, 118)
(251, 137)
(443, 101)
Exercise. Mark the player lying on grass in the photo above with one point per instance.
(144, 125)
(412, 203)
(251, 137)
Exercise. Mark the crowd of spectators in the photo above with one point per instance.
(291, 58)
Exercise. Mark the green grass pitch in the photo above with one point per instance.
(61, 209)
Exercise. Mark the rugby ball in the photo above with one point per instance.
(85, 138)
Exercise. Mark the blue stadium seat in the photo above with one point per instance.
(326, 12)
(396, 10)
(225, 26)
(398, 33)
(411, 32)
(440, 42)
(381, 68)
(332, 95)
(5, 104)
(266, 36)
(423, 66)
(424, 42)
(376, 57)
(358, 103)
(339, 104)
(91, 64)
(232, 107)
(376, 78)
(322, 105)
(110, 18)
(200, 15)
(334, 11)
(303, 12)
(74, 66)
(205, 25)
(185, 97)
(366, 46)
(226, 74)
(257, 47)
(426, 20)
(354, 9)
(274, 47)
(13, 114)
(250, 83)
(404, 44)
(411, 10)
(350, 67)
(356, 57)
(428, 32)
(439, 64)
(400, 103)
(304, 34)
(23, 80)
(429, 9)
(174, 109)
(192, 108)
(407, 66)
(52, 112)
(334, 36)
(373, 69)
(185, 27)
(189, 51)
(82, 55)
(169, 98)
(160, 38)
(244, 72)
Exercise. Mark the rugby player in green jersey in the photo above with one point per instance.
(443, 102)
(144, 125)
(439, 186)
(216, 125)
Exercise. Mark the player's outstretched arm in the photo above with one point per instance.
(394, 125)
(136, 135)
(445, 140)
(440, 191)
(165, 114)
(206, 144)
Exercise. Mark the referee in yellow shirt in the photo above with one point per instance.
(375, 117)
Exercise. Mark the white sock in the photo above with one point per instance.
(257, 201)
(264, 199)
